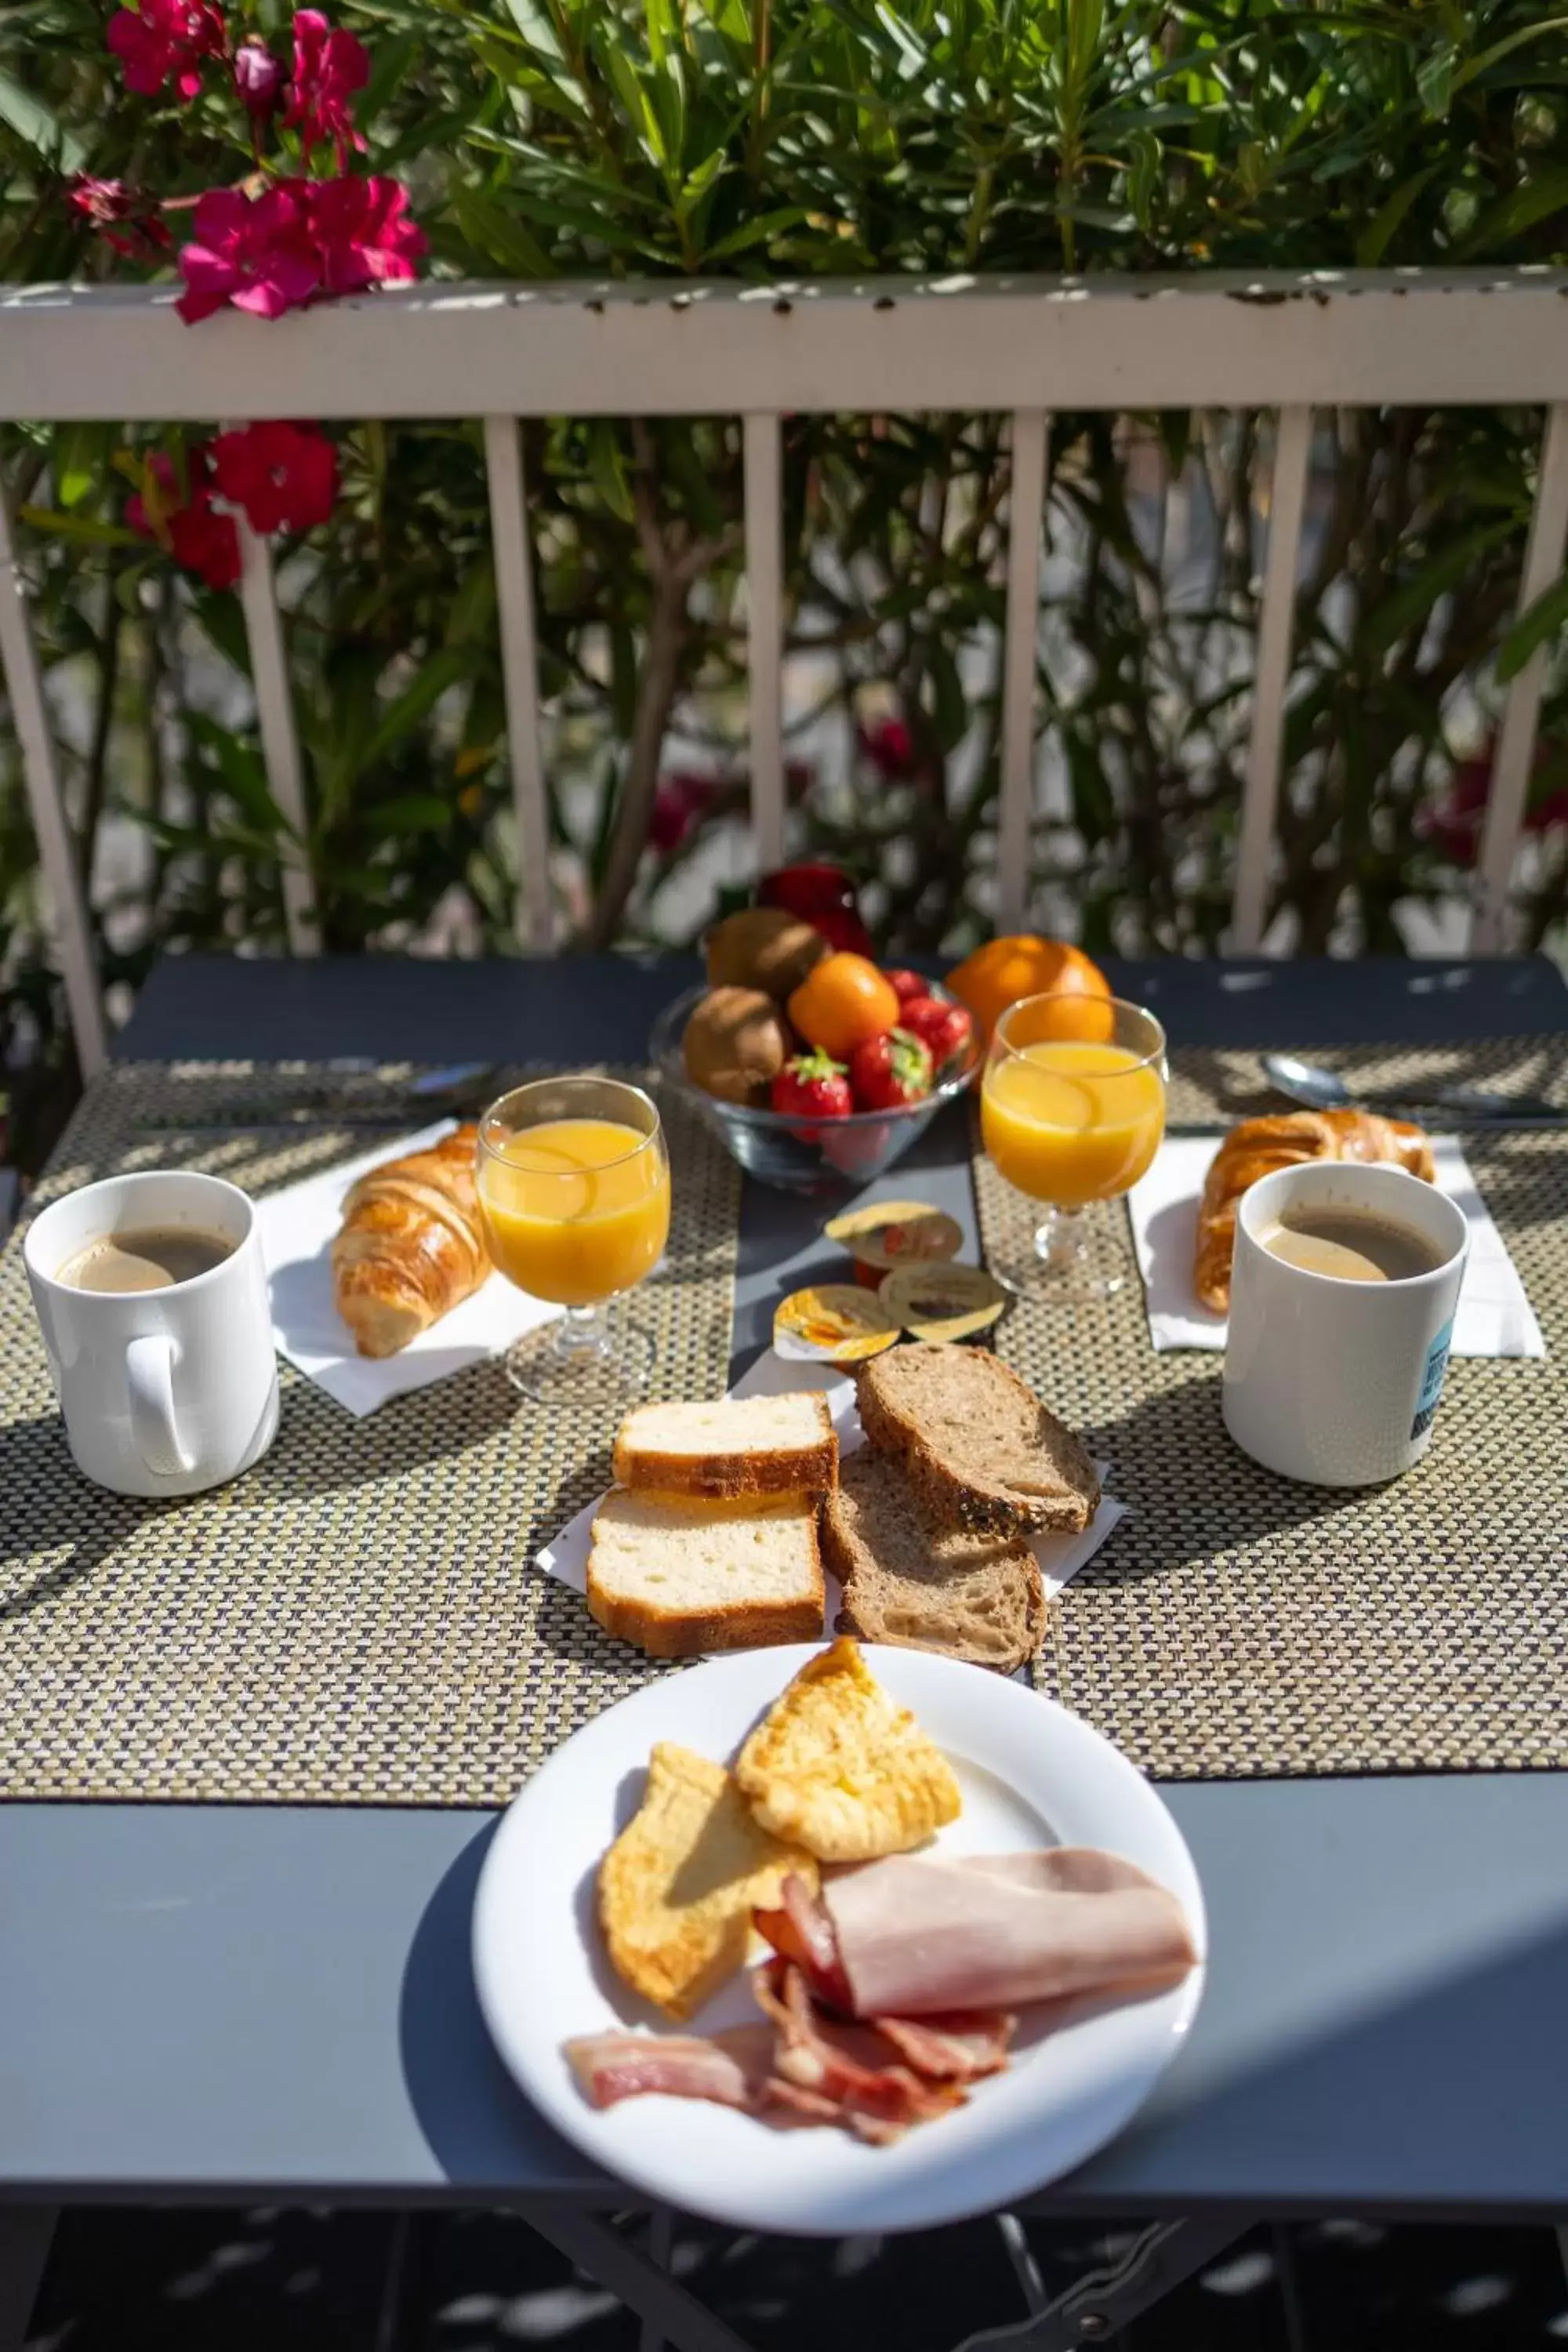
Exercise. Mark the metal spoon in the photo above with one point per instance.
(1321, 1089)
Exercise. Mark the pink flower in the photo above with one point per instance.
(184, 521)
(127, 217)
(284, 477)
(165, 39)
(258, 78)
(362, 233)
(252, 251)
(329, 67)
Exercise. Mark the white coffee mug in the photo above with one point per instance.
(163, 1392)
(1332, 1381)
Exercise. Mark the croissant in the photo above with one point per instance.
(411, 1247)
(1259, 1146)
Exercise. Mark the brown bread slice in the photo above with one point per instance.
(980, 1448)
(976, 1597)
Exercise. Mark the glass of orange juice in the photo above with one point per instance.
(1072, 1108)
(573, 1185)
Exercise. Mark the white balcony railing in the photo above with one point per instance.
(1287, 344)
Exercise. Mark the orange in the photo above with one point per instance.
(842, 1001)
(1003, 971)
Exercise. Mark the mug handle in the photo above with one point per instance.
(149, 1375)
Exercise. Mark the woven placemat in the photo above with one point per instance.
(355, 1620)
(1238, 1625)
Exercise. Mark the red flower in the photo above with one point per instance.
(127, 217)
(255, 252)
(891, 749)
(677, 804)
(362, 235)
(258, 78)
(1454, 824)
(185, 522)
(166, 38)
(329, 67)
(283, 477)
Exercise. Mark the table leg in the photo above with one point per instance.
(26, 2234)
(613, 2263)
(1096, 2305)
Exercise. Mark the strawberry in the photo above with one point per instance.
(943, 1028)
(888, 1072)
(907, 984)
(813, 1085)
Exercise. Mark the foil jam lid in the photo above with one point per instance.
(834, 1323)
(888, 1233)
(940, 1303)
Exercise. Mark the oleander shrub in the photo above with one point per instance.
(763, 138)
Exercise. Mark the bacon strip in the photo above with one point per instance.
(802, 1932)
(730, 2068)
(850, 2064)
(958, 2047)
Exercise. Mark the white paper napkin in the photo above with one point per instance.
(298, 1226)
(1494, 1315)
(566, 1557)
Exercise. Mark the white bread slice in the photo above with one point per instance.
(678, 1576)
(741, 1445)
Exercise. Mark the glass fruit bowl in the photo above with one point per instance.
(789, 1150)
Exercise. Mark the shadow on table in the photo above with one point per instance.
(477, 2123)
(1191, 1492)
(321, 1448)
(47, 1508)
(1341, 2087)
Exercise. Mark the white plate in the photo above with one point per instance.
(1031, 1775)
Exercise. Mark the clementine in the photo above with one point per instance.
(1024, 964)
(842, 1003)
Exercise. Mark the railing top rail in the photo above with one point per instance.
(1226, 339)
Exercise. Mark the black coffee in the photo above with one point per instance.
(153, 1260)
(1351, 1245)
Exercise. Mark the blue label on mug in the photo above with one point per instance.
(1432, 1379)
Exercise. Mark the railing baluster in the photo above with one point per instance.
(1516, 738)
(519, 673)
(1271, 675)
(1014, 816)
(764, 631)
(279, 737)
(40, 774)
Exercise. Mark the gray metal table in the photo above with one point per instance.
(234, 2004)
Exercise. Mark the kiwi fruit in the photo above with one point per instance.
(763, 947)
(735, 1044)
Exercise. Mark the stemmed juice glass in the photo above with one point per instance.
(1072, 1109)
(574, 1185)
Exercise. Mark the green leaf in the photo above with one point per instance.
(495, 233)
(412, 812)
(82, 528)
(441, 672)
(33, 122)
(607, 466)
(1374, 241)
(1434, 81)
(81, 457)
(761, 231)
(242, 768)
(1412, 600)
(1543, 619)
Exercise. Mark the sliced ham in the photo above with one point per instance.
(730, 2068)
(916, 1935)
